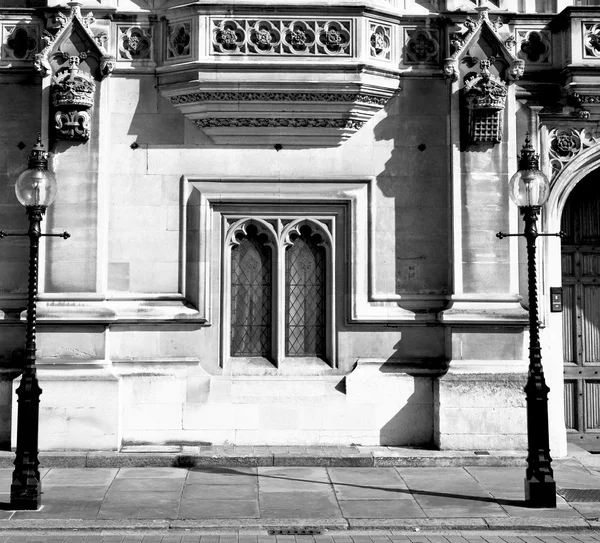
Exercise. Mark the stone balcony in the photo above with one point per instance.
(257, 76)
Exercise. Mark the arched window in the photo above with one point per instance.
(251, 273)
(305, 269)
(278, 290)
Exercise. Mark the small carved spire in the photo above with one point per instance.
(528, 160)
(38, 159)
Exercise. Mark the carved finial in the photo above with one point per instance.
(38, 159)
(528, 159)
(75, 9)
(483, 12)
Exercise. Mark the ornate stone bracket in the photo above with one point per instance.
(484, 93)
(72, 96)
(70, 39)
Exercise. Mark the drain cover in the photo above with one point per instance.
(580, 494)
(296, 531)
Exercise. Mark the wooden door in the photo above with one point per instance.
(581, 314)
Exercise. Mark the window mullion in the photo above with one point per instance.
(279, 305)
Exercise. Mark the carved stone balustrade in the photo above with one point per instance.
(310, 78)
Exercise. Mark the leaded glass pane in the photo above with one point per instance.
(251, 296)
(305, 296)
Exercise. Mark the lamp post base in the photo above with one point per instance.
(540, 494)
(26, 498)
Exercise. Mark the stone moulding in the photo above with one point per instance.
(262, 116)
(301, 79)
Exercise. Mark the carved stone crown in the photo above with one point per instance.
(485, 92)
(73, 90)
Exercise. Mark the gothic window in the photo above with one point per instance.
(251, 265)
(278, 292)
(305, 295)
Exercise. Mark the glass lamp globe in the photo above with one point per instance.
(529, 188)
(36, 186)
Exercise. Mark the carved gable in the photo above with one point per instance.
(483, 66)
(74, 58)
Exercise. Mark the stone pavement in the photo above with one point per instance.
(259, 498)
(265, 455)
(337, 537)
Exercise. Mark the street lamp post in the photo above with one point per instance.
(36, 189)
(529, 189)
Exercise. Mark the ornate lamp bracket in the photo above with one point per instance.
(75, 58)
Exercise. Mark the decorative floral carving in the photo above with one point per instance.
(380, 41)
(264, 35)
(334, 37)
(591, 40)
(20, 43)
(299, 37)
(510, 42)
(244, 122)
(566, 144)
(229, 37)
(101, 38)
(422, 47)
(73, 125)
(456, 43)
(534, 46)
(135, 43)
(179, 40)
(363, 98)
(586, 98)
(275, 36)
(581, 114)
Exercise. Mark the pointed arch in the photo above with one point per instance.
(309, 287)
(248, 293)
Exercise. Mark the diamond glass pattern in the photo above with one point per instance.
(251, 264)
(305, 296)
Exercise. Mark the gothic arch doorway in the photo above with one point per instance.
(580, 257)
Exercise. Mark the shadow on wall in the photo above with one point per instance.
(413, 424)
(411, 206)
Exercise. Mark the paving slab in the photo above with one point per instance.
(379, 477)
(222, 476)
(79, 476)
(151, 472)
(386, 509)
(219, 509)
(299, 504)
(349, 491)
(220, 492)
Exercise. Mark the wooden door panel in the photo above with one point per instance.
(590, 324)
(571, 405)
(568, 323)
(580, 265)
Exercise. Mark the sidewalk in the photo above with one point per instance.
(254, 456)
(300, 498)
